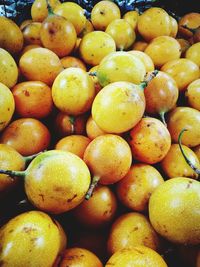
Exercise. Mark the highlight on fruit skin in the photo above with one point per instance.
(184, 155)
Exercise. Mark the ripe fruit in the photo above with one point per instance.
(154, 22)
(191, 20)
(183, 70)
(118, 107)
(135, 189)
(92, 129)
(103, 13)
(8, 69)
(180, 197)
(130, 230)
(146, 60)
(29, 235)
(137, 256)
(79, 257)
(40, 64)
(58, 34)
(122, 33)
(193, 94)
(94, 46)
(31, 33)
(132, 18)
(73, 13)
(55, 181)
(32, 99)
(28, 136)
(73, 91)
(11, 38)
(7, 106)
(185, 118)
(74, 62)
(120, 66)
(193, 53)
(174, 164)
(149, 140)
(163, 49)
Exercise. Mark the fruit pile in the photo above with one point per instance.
(99, 138)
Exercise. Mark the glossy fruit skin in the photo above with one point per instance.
(28, 136)
(122, 32)
(137, 256)
(135, 189)
(10, 159)
(30, 239)
(103, 13)
(31, 33)
(180, 197)
(32, 99)
(73, 91)
(8, 69)
(99, 210)
(185, 118)
(40, 64)
(174, 164)
(120, 66)
(154, 22)
(183, 70)
(118, 107)
(92, 129)
(74, 62)
(58, 35)
(193, 94)
(185, 44)
(132, 18)
(73, 13)
(161, 93)
(174, 27)
(7, 106)
(87, 28)
(146, 60)
(79, 257)
(94, 46)
(149, 140)
(191, 20)
(108, 157)
(193, 53)
(163, 49)
(66, 191)
(75, 144)
(130, 230)
(11, 38)
(139, 45)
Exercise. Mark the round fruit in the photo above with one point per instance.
(146, 60)
(191, 20)
(132, 18)
(7, 106)
(150, 140)
(92, 129)
(8, 69)
(121, 66)
(193, 53)
(73, 91)
(130, 230)
(31, 33)
(94, 46)
(193, 94)
(118, 107)
(135, 189)
(29, 235)
(137, 256)
(40, 64)
(174, 209)
(103, 13)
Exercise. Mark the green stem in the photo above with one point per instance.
(31, 157)
(72, 121)
(93, 73)
(89, 193)
(13, 173)
(148, 78)
(50, 10)
(184, 155)
(162, 116)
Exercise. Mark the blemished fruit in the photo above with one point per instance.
(29, 235)
(179, 196)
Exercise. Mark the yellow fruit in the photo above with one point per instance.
(174, 210)
(193, 94)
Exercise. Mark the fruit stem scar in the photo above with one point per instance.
(148, 78)
(13, 173)
(184, 155)
(92, 73)
(50, 10)
(95, 180)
